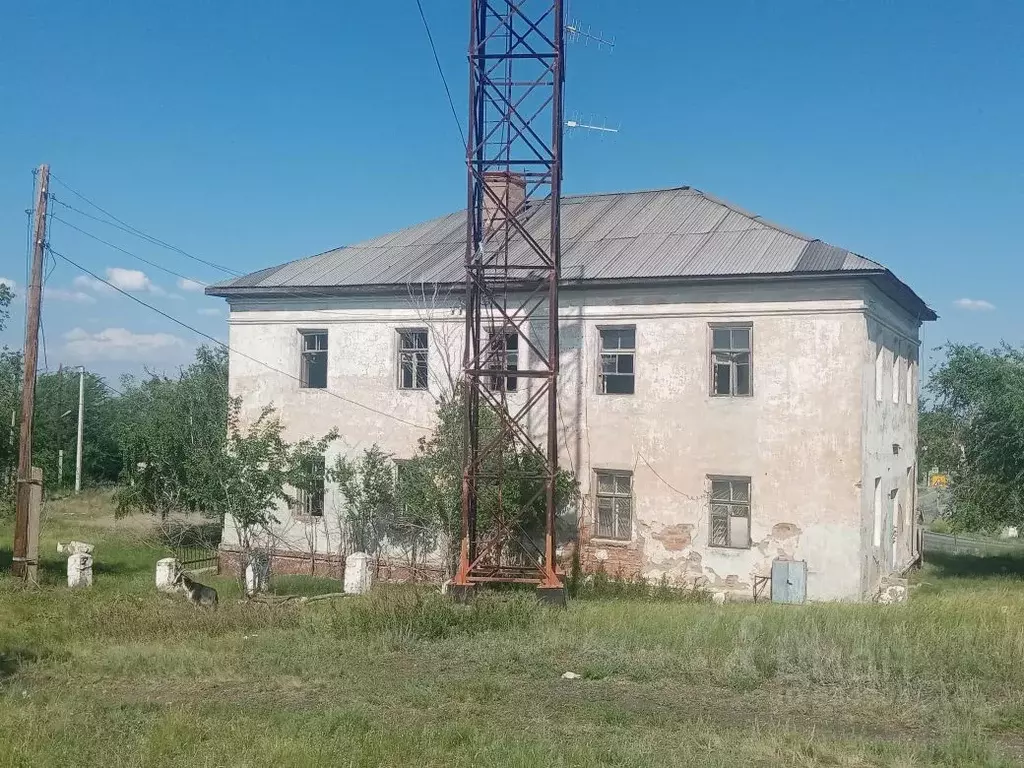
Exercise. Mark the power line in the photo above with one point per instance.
(127, 252)
(220, 343)
(444, 80)
(666, 482)
(136, 231)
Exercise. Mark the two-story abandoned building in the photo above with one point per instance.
(730, 391)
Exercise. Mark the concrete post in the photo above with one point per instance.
(80, 570)
(358, 574)
(257, 573)
(167, 571)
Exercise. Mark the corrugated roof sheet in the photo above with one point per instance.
(680, 232)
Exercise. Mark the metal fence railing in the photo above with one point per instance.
(195, 558)
(953, 544)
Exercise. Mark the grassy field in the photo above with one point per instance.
(121, 676)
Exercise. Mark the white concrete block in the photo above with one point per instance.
(257, 574)
(167, 571)
(80, 570)
(1009, 532)
(892, 594)
(358, 573)
(75, 548)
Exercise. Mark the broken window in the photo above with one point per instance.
(730, 512)
(314, 360)
(618, 350)
(412, 359)
(503, 355)
(309, 493)
(730, 361)
(614, 505)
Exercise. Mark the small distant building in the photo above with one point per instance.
(731, 391)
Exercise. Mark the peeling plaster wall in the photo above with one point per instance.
(799, 437)
(887, 424)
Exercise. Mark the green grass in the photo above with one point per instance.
(121, 676)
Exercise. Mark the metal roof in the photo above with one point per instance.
(680, 233)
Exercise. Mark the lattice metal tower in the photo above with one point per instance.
(514, 161)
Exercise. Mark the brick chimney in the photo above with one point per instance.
(510, 189)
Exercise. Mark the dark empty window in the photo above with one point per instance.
(503, 356)
(730, 361)
(412, 359)
(614, 503)
(618, 350)
(314, 359)
(730, 512)
(309, 490)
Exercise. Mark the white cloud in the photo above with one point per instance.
(131, 280)
(975, 305)
(209, 311)
(8, 282)
(88, 283)
(190, 285)
(128, 280)
(63, 294)
(121, 344)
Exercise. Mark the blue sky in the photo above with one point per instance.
(251, 133)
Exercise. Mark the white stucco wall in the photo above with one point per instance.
(890, 440)
(808, 437)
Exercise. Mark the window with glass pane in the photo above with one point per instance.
(618, 350)
(309, 496)
(412, 359)
(614, 505)
(314, 360)
(730, 361)
(503, 355)
(730, 512)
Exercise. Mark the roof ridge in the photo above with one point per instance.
(669, 232)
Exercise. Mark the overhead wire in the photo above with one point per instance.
(232, 350)
(125, 226)
(440, 71)
(128, 253)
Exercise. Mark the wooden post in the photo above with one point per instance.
(81, 422)
(35, 503)
(28, 387)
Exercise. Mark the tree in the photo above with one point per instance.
(368, 487)
(172, 435)
(55, 428)
(247, 481)
(10, 395)
(938, 444)
(977, 428)
(431, 491)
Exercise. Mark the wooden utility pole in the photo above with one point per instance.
(20, 565)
